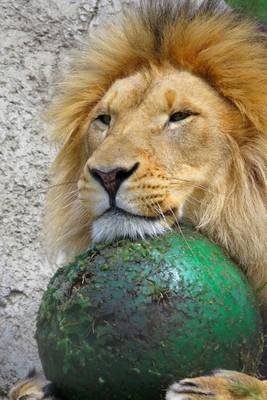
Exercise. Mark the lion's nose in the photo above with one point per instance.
(112, 180)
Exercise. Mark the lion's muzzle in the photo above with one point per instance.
(112, 179)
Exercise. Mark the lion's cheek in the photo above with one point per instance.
(93, 199)
(151, 205)
(177, 198)
(131, 203)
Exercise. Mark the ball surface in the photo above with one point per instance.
(127, 319)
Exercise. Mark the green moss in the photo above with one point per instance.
(125, 320)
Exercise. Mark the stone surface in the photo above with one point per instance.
(36, 40)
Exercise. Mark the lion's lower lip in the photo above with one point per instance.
(119, 211)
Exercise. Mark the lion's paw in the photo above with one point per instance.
(222, 385)
(189, 389)
(33, 387)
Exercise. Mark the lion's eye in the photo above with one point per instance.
(104, 118)
(180, 115)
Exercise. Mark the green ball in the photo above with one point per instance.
(127, 319)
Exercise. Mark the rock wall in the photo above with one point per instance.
(36, 40)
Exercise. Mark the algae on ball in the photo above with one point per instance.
(127, 319)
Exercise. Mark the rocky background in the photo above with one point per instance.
(36, 38)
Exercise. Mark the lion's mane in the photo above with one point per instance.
(228, 51)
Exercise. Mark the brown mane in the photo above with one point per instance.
(227, 50)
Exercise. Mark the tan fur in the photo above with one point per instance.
(31, 388)
(223, 50)
(223, 385)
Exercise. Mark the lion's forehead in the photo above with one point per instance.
(126, 92)
(160, 91)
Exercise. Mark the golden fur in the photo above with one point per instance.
(222, 385)
(33, 387)
(210, 167)
(225, 57)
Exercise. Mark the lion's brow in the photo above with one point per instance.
(170, 96)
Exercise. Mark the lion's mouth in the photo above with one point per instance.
(117, 212)
(116, 223)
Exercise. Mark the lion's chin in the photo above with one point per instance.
(118, 224)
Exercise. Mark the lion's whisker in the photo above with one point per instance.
(182, 234)
(70, 196)
(198, 186)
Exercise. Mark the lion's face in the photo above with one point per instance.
(155, 139)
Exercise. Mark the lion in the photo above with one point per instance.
(33, 387)
(163, 118)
